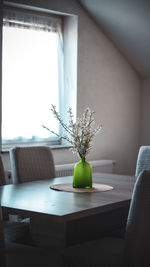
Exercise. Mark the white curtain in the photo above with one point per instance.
(26, 19)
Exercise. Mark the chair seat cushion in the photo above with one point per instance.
(18, 255)
(104, 252)
(16, 231)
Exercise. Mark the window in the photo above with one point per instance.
(32, 76)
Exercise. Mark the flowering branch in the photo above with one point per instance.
(81, 132)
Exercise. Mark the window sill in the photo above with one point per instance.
(53, 147)
(60, 147)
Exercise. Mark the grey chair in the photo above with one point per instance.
(16, 246)
(2, 173)
(134, 251)
(16, 255)
(31, 163)
(13, 231)
(143, 163)
(2, 247)
(143, 160)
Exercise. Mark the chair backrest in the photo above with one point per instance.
(2, 173)
(31, 163)
(137, 238)
(143, 160)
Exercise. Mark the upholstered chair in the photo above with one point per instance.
(13, 231)
(2, 247)
(143, 163)
(18, 255)
(2, 173)
(115, 252)
(143, 160)
(16, 246)
(14, 254)
(31, 163)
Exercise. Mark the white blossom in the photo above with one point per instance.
(80, 133)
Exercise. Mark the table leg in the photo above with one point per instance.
(48, 234)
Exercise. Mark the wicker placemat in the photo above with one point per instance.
(69, 188)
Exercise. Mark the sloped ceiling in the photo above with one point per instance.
(127, 23)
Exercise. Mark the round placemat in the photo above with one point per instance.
(69, 188)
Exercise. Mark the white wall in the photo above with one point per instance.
(145, 113)
(106, 84)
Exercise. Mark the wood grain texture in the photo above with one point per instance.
(38, 200)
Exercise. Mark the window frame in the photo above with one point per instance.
(53, 140)
(70, 48)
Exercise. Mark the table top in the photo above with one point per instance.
(37, 199)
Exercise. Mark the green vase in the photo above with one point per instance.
(82, 177)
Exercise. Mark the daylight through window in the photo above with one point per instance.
(32, 55)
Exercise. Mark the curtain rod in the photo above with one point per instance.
(32, 9)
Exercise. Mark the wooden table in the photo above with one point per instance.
(61, 219)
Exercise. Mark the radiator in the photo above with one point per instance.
(104, 166)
